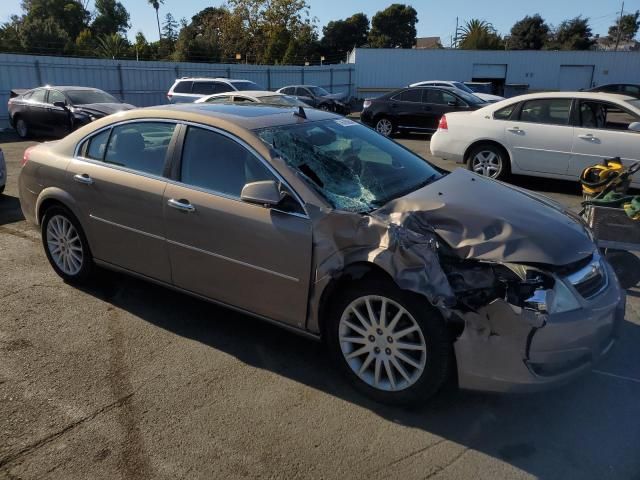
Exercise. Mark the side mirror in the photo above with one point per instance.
(60, 104)
(264, 192)
(634, 127)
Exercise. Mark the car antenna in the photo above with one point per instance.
(300, 113)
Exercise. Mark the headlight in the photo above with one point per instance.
(559, 299)
(539, 291)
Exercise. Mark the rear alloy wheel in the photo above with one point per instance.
(392, 347)
(384, 126)
(65, 245)
(489, 161)
(22, 128)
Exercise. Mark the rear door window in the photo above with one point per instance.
(140, 146)
(504, 113)
(209, 88)
(550, 111)
(303, 92)
(215, 162)
(183, 87)
(97, 145)
(631, 90)
(39, 96)
(411, 95)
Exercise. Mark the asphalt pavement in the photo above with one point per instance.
(130, 380)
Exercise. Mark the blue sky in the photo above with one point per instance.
(436, 18)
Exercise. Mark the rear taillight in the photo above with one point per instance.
(442, 125)
(366, 104)
(169, 96)
(25, 156)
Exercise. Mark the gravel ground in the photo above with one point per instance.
(130, 380)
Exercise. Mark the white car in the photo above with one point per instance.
(3, 172)
(460, 86)
(554, 135)
(254, 96)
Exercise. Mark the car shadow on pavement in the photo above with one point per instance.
(588, 429)
(10, 211)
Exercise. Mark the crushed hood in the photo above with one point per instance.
(484, 219)
(102, 108)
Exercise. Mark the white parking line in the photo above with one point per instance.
(621, 377)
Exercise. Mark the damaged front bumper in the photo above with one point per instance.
(506, 349)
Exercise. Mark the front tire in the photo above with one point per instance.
(384, 126)
(488, 160)
(390, 344)
(65, 245)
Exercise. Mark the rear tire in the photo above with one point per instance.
(66, 246)
(393, 367)
(22, 128)
(384, 126)
(489, 160)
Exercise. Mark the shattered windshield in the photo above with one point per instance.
(353, 167)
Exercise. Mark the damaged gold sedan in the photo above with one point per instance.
(320, 225)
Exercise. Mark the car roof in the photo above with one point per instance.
(64, 88)
(246, 116)
(218, 79)
(598, 95)
(248, 93)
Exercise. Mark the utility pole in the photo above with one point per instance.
(619, 28)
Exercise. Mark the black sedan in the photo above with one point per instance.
(56, 111)
(318, 97)
(416, 108)
(630, 89)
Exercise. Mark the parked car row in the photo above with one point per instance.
(58, 110)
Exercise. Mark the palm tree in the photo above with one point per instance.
(478, 34)
(111, 46)
(156, 4)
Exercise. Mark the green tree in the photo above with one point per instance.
(573, 34)
(170, 27)
(201, 39)
(85, 43)
(70, 16)
(340, 36)
(478, 34)
(394, 27)
(530, 33)
(156, 6)
(44, 36)
(142, 49)
(10, 35)
(111, 46)
(625, 29)
(111, 17)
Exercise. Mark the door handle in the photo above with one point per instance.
(588, 136)
(182, 205)
(83, 178)
(515, 130)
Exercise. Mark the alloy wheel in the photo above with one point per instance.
(382, 343)
(487, 163)
(384, 127)
(64, 245)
